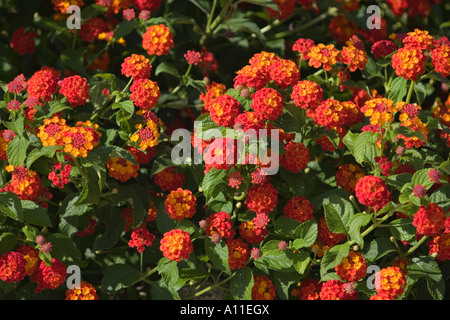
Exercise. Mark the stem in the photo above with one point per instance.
(118, 98)
(141, 262)
(80, 168)
(388, 86)
(218, 284)
(213, 24)
(414, 248)
(410, 91)
(126, 88)
(270, 25)
(98, 114)
(74, 40)
(373, 226)
(307, 25)
(144, 276)
(210, 16)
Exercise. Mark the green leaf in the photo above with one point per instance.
(7, 242)
(356, 222)
(73, 60)
(263, 3)
(46, 257)
(110, 216)
(442, 197)
(166, 67)
(55, 107)
(37, 153)
(186, 225)
(402, 229)
(214, 181)
(333, 257)
(338, 212)
(17, 151)
(283, 282)
(285, 226)
(399, 180)
(364, 147)
(69, 212)
(296, 181)
(398, 89)
(10, 206)
(218, 254)
(64, 248)
(92, 10)
(179, 18)
(163, 221)
(421, 177)
(427, 267)
(244, 25)
(301, 261)
(169, 273)
(118, 276)
(275, 258)
(123, 29)
(378, 248)
(445, 166)
(350, 140)
(242, 283)
(97, 98)
(306, 234)
(30, 232)
(35, 214)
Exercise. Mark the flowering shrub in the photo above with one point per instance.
(290, 150)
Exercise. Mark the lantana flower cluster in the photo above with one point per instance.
(316, 158)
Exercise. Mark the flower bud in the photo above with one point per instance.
(40, 240)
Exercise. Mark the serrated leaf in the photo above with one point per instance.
(306, 234)
(350, 140)
(301, 261)
(118, 276)
(123, 29)
(420, 177)
(7, 242)
(398, 89)
(333, 257)
(242, 283)
(283, 282)
(275, 258)
(166, 67)
(285, 226)
(378, 248)
(399, 180)
(17, 151)
(169, 273)
(65, 249)
(214, 181)
(427, 267)
(402, 229)
(356, 222)
(69, 212)
(34, 214)
(218, 254)
(338, 212)
(442, 197)
(11, 206)
(114, 223)
(364, 146)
